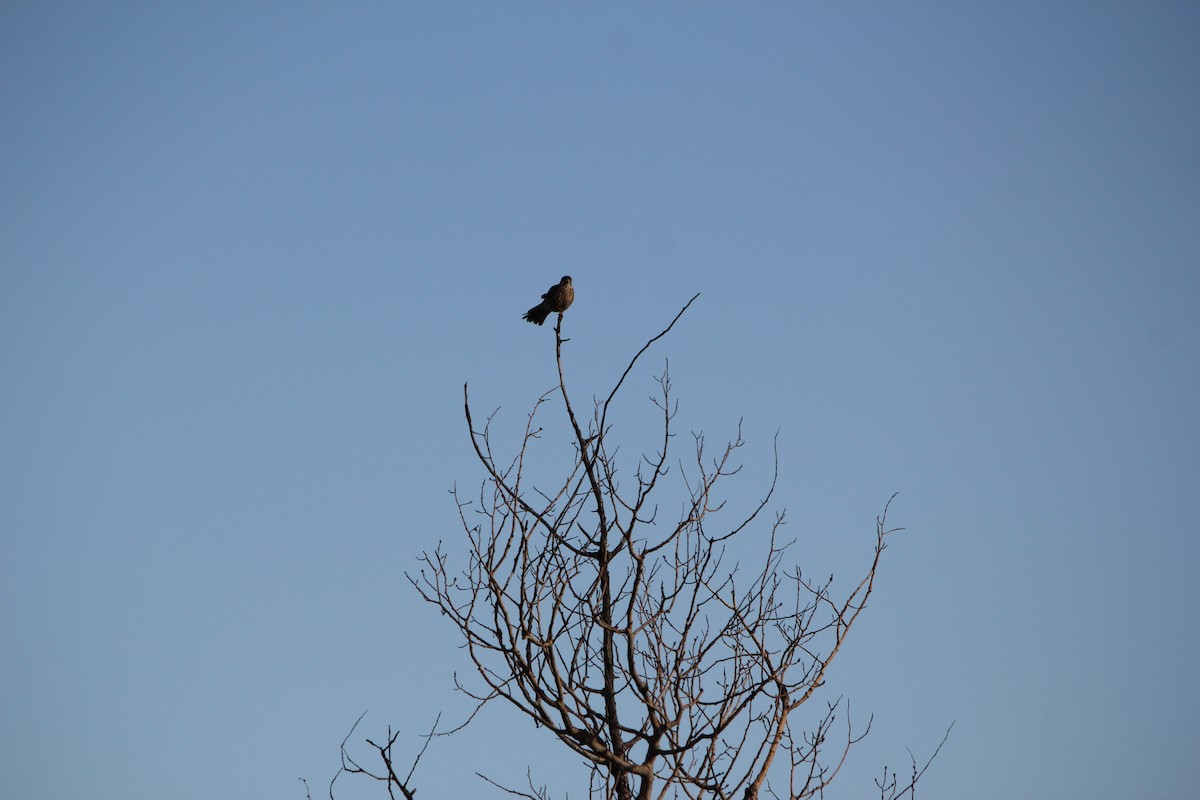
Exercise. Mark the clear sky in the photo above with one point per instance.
(250, 252)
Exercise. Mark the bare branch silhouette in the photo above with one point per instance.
(388, 775)
(667, 667)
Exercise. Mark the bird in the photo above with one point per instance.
(557, 298)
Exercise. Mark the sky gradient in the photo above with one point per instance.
(251, 252)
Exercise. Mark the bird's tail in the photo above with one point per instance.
(537, 315)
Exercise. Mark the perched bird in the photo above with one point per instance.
(558, 298)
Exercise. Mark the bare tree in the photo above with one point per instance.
(639, 642)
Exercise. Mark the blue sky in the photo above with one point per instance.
(250, 253)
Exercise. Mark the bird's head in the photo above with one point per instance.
(566, 281)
